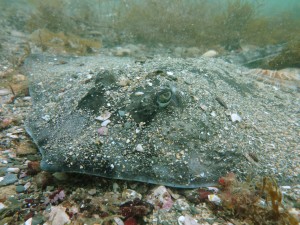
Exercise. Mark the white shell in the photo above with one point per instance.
(210, 53)
(105, 123)
(118, 221)
(139, 148)
(139, 93)
(235, 118)
(214, 198)
(104, 116)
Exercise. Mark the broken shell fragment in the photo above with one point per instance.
(139, 148)
(138, 93)
(105, 123)
(104, 116)
(235, 118)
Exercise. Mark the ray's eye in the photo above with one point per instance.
(164, 97)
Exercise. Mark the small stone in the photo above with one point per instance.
(28, 222)
(129, 194)
(57, 215)
(116, 187)
(2, 206)
(213, 114)
(9, 179)
(181, 205)
(27, 185)
(121, 113)
(124, 81)
(4, 92)
(27, 98)
(139, 148)
(103, 131)
(26, 148)
(118, 221)
(37, 219)
(187, 220)
(210, 53)
(13, 170)
(92, 191)
(160, 198)
(20, 188)
(203, 107)
(7, 191)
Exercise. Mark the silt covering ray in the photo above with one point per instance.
(176, 122)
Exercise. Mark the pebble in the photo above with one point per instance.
(160, 198)
(124, 81)
(37, 219)
(103, 131)
(210, 53)
(4, 92)
(58, 216)
(182, 205)
(27, 185)
(118, 221)
(7, 191)
(8, 179)
(13, 136)
(27, 98)
(20, 188)
(121, 113)
(26, 148)
(129, 194)
(2, 206)
(116, 187)
(203, 107)
(187, 220)
(13, 170)
(92, 191)
(28, 222)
